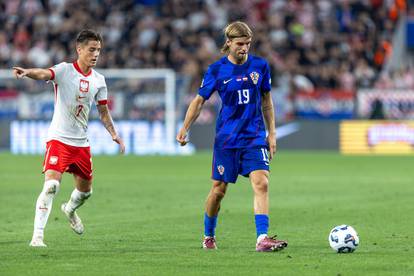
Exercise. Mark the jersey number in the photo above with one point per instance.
(78, 109)
(265, 156)
(244, 96)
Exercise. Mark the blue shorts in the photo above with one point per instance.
(229, 163)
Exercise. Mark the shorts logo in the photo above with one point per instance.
(84, 86)
(255, 77)
(220, 169)
(53, 160)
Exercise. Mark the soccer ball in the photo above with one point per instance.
(343, 239)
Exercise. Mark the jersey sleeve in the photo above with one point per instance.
(101, 98)
(267, 80)
(208, 85)
(58, 71)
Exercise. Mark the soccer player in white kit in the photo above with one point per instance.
(76, 87)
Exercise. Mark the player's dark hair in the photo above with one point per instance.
(235, 30)
(88, 35)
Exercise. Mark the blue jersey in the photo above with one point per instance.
(240, 122)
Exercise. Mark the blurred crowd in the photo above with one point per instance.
(403, 78)
(339, 44)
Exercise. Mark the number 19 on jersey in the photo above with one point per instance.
(244, 96)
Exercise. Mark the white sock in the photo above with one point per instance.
(261, 237)
(44, 206)
(76, 200)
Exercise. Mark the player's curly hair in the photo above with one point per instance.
(88, 35)
(234, 30)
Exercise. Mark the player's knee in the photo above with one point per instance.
(83, 185)
(53, 175)
(51, 187)
(219, 194)
(219, 190)
(261, 185)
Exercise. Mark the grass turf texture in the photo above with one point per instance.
(145, 217)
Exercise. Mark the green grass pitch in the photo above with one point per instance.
(146, 218)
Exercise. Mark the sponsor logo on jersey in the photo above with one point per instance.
(84, 86)
(226, 81)
(220, 169)
(202, 83)
(255, 77)
(53, 160)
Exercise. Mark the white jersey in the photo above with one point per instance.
(74, 94)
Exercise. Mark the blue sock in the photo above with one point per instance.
(209, 225)
(262, 224)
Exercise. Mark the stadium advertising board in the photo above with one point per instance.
(377, 137)
(396, 104)
(324, 104)
(140, 137)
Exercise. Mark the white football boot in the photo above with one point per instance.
(74, 220)
(37, 242)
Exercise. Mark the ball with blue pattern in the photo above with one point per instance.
(343, 239)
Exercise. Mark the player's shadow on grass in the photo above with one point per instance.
(12, 242)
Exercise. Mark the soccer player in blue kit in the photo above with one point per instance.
(241, 145)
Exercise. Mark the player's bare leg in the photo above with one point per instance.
(80, 194)
(216, 194)
(260, 184)
(44, 206)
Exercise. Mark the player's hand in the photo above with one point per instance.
(19, 72)
(120, 142)
(271, 141)
(181, 137)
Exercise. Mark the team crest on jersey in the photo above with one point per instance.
(84, 86)
(220, 169)
(53, 160)
(255, 77)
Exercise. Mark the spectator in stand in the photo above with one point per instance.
(294, 36)
(364, 74)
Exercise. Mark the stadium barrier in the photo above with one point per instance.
(395, 104)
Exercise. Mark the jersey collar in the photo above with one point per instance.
(76, 65)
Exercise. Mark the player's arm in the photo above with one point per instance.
(33, 73)
(192, 114)
(107, 121)
(269, 119)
